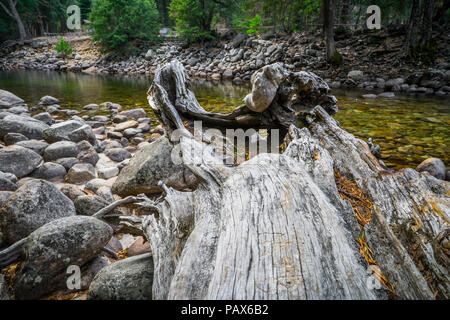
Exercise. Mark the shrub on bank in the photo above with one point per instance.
(63, 47)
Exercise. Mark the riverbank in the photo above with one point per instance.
(370, 60)
(408, 128)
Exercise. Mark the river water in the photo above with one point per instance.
(408, 129)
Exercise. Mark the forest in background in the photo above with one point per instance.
(121, 24)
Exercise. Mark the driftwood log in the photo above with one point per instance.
(283, 226)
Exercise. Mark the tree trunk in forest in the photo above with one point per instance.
(329, 17)
(345, 10)
(283, 226)
(411, 33)
(439, 17)
(12, 12)
(358, 16)
(427, 21)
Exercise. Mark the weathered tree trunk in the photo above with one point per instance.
(278, 226)
(329, 7)
(12, 12)
(427, 22)
(345, 12)
(411, 33)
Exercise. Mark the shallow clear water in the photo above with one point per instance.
(409, 129)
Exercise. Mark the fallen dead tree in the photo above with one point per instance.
(276, 226)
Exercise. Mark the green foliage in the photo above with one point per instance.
(63, 47)
(193, 18)
(85, 8)
(118, 24)
(253, 24)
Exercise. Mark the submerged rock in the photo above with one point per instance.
(128, 279)
(134, 114)
(48, 100)
(30, 207)
(55, 246)
(8, 99)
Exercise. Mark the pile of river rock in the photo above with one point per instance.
(233, 59)
(56, 174)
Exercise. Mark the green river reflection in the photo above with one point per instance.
(408, 129)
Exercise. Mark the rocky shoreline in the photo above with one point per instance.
(64, 171)
(237, 58)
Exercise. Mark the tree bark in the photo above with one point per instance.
(427, 21)
(411, 34)
(329, 17)
(12, 12)
(277, 226)
(345, 10)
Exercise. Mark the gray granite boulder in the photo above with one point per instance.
(8, 182)
(48, 171)
(13, 137)
(61, 149)
(134, 114)
(61, 131)
(433, 166)
(128, 279)
(29, 127)
(148, 166)
(89, 205)
(30, 207)
(8, 99)
(35, 145)
(51, 249)
(117, 154)
(68, 163)
(81, 173)
(48, 100)
(18, 160)
(87, 153)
